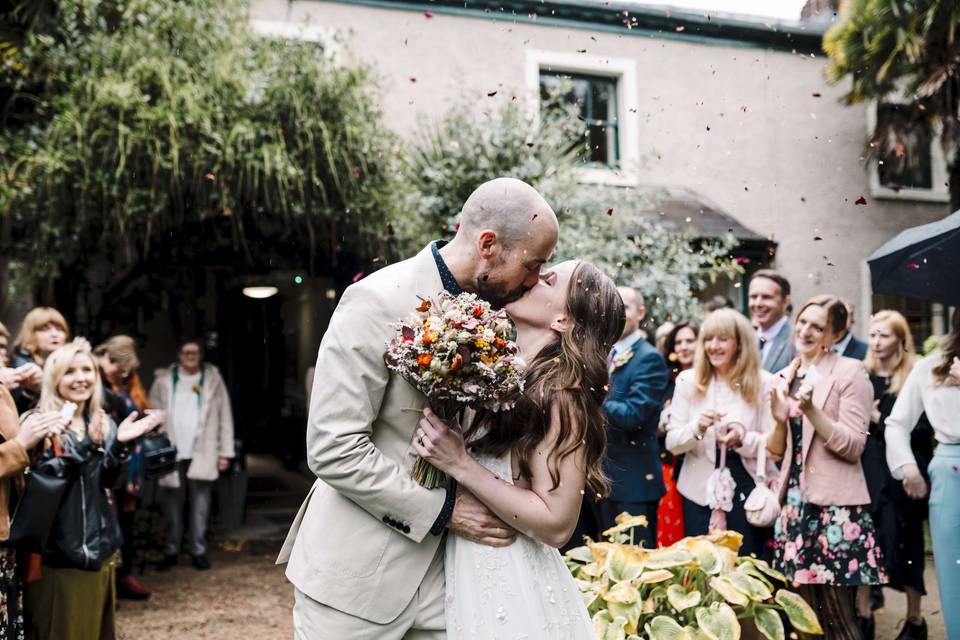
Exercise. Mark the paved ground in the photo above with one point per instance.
(246, 596)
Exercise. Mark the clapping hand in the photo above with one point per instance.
(9, 378)
(875, 412)
(780, 404)
(439, 444)
(39, 425)
(132, 428)
(30, 375)
(804, 396)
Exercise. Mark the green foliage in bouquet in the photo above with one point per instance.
(696, 589)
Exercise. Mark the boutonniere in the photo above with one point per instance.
(621, 359)
(197, 388)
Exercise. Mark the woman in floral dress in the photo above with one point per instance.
(825, 538)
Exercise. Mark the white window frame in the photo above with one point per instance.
(624, 73)
(939, 192)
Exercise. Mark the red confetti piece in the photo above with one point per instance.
(530, 144)
(860, 200)
(581, 50)
(427, 14)
(815, 94)
(413, 80)
(389, 229)
(913, 265)
(815, 238)
(210, 177)
(357, 276)
(491, 94)
(356, 172)
(609, 212)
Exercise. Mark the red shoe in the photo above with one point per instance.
(130, 588)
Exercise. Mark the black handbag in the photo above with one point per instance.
(37, 507)
(159, 455)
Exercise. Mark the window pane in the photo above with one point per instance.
(596, 101)
(904, 136)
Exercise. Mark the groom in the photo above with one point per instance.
(364, 553)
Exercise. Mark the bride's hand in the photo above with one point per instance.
(439, 444)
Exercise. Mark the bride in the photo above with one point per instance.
(532, 464)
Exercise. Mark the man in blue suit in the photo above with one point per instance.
(769, 302)
(638, 383)
(847, 344)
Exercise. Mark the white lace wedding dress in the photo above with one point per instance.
(520, 592)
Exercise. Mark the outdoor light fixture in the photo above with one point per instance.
(259, 292)
(331, 294)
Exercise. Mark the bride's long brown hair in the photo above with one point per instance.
(571, 374)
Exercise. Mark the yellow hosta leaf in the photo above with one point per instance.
(601, 622)
(622, 593)
(801, 615)
(730, 592)
(668, 558)
(600, 550)
(729, 539)
(629, 612)
(751, 570)
(767, 569)
(719, 622)
(664, 628)
(624, 562)
(625, 522)
(680, 599)
(712, 558)
(580, 554)
(769, 623)
(755, 589)
(652, 577)
(616, 630)
(592, 570)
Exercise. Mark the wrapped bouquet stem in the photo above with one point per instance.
(457, 351)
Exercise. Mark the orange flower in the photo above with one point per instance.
(457, 361)
(424, 359)
(485, 359)
(429, 337)
(478, 311)
(499, 342)
(424, 306)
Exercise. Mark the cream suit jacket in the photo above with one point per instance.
(361, 542)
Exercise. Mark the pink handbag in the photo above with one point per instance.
(720, 489)
(762, 507)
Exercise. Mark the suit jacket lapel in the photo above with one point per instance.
(428, 283)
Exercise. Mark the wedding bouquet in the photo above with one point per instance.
(457, 351)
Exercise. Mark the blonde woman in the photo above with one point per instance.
(898, 517)
(722, 400)
(933, 386)
(73, 599)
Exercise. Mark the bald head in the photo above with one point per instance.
(512, 209)
(633, 308)
(507, 233)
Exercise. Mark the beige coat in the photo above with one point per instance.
(13, 458)
(214, 438)
(361, 542)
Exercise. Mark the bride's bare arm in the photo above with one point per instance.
(541, 512)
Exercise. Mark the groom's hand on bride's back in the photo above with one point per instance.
(472, 520)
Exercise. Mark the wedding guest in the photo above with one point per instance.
(638, 381)
(847, 344)
(42, 331)
(722, 401)
(898, 517)
(14, 458)
(123, 394)
(679, 347)
(769, 302)
(4, 345)
(660, 335)
(74, 596)
(194, 398)
(825, 539)
(933, 386)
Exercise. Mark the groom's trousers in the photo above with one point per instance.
(422, 619)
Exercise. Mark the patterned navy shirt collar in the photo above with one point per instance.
(450, 283)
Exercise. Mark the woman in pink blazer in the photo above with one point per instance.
(825, 539)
